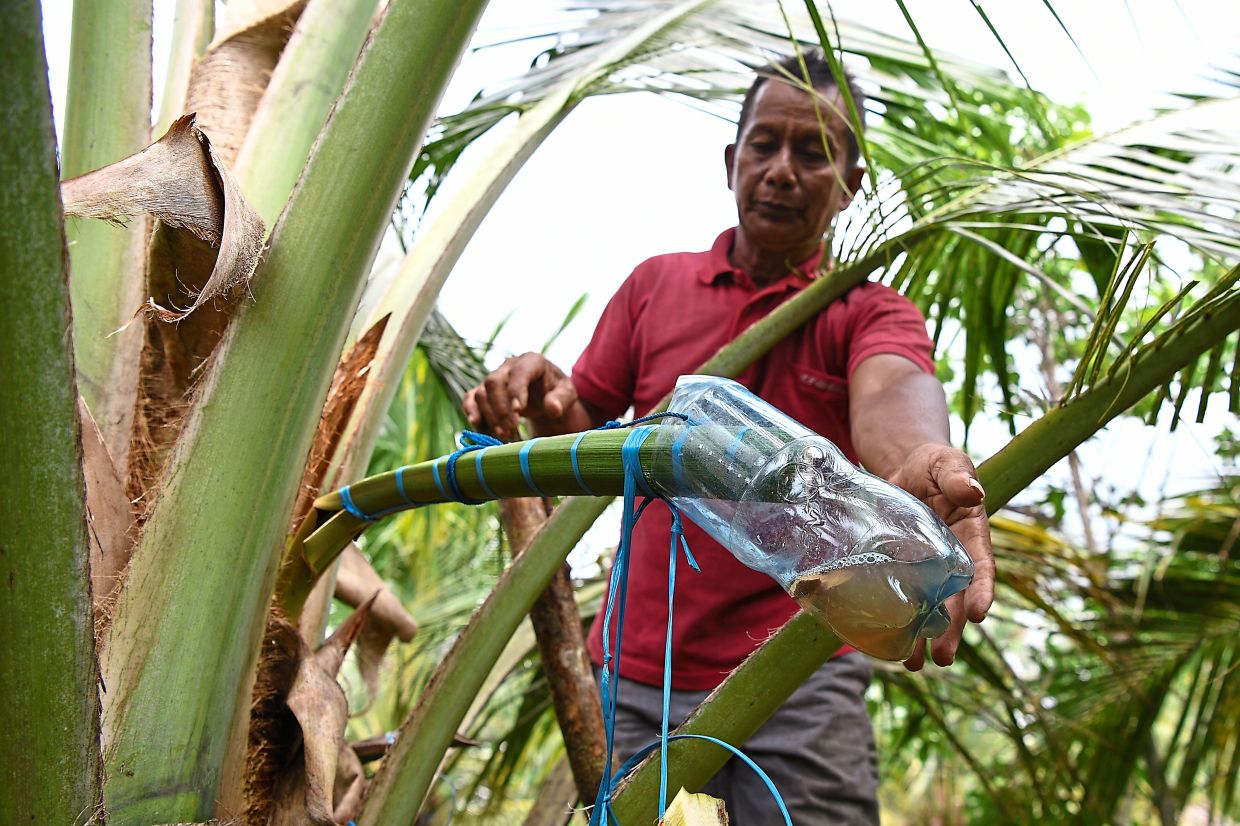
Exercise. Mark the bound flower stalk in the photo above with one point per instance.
(862, 556)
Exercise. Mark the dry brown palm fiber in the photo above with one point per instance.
(226, 85)
(296, 576)
(274, 762)
(182, 181)
(347, 384)
(273, 734)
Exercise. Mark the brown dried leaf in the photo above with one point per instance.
(373, 748)
(322, 711)
(110, 520)
(357, 581)
(181, 181)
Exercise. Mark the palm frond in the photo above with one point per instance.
(706, 56)
(1033, 230)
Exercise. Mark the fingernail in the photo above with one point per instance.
(977, 486)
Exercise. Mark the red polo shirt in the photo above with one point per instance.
(667, 318)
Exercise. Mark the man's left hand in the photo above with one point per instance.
(946, 480)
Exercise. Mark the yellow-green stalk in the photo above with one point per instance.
(107, 118)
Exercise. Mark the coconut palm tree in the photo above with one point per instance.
(251, 383)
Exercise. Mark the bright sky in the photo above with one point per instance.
(629, 177)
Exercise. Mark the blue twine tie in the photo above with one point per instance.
(346, 502)
(736, 445)
(524, 458)
(678, 533)
(572, 456)
(469, 441)
(478, 470)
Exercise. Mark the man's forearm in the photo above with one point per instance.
(894, 408)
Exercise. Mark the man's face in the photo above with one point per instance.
(788, 191)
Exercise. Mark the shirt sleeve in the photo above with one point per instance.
(881, 321)
(604, 374)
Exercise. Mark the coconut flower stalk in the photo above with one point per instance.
(492, 472)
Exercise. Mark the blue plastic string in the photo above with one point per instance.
(439, 482)
(634, 480)
(454, 486)
(617, 591)
(572, 456)
(630, 454)
(524, 457)
(632, 762)
(400, 484)
(346, 501)
(678, 538)
(469, 441)
(478, 470)
(351, 507)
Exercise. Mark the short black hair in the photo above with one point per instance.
(820, 77)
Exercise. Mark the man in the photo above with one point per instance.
(860, 374)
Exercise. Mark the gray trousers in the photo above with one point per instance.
(818, 748)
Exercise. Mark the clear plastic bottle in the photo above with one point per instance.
(863, 556)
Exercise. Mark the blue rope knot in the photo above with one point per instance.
(469, 442)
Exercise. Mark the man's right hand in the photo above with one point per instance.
(527, 385)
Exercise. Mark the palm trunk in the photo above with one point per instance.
(50, 770)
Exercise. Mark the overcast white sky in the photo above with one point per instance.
(629, 177)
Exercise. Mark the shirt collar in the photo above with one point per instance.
(719, 267)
